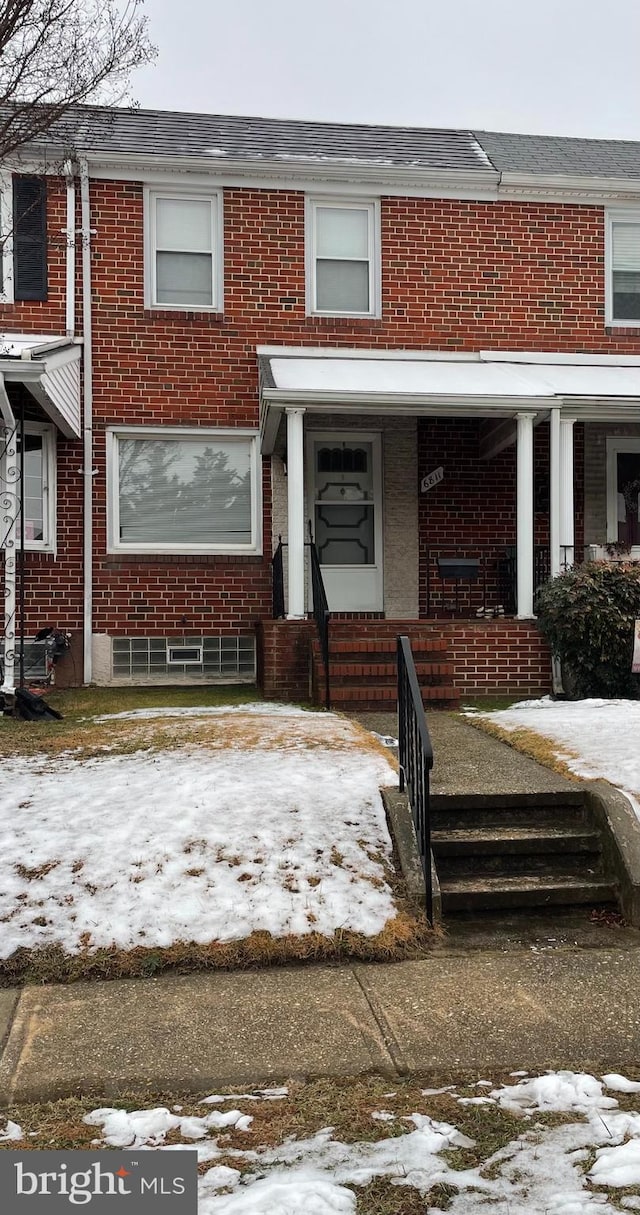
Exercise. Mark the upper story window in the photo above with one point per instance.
(181, 490)
(623, 268)
(343, 258)
(23, 236)
(184, 250)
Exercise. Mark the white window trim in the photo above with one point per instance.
(215, 197)
(49, 490)
(6, 237)
(115, 545)
(372, 205)
(615, 445)
(615, 217)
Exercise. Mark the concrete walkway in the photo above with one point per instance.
(446, 1016)
(467, 760)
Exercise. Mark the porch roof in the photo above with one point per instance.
(475, 384)
(49, 366)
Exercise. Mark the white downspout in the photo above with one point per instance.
(70, 233)
(88, 421)
(10, 507)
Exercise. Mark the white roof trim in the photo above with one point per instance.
(478, 386)
(50, 367)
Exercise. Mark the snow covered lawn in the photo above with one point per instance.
(563, 1143)
(595, 739)
(258, 819)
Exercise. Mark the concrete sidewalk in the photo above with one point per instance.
(443, 1016)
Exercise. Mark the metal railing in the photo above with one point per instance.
(416, 759)
(481, 579)
(321, 613)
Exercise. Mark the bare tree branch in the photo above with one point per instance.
(55, 54)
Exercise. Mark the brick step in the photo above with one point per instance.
(371, 696)
(381, 645)
(478, 893)
(387, 670)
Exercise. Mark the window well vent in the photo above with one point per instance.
(189, 655)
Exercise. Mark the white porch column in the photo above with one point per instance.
(295, 512)
(524, 512)
(567, 510)
(554, 492)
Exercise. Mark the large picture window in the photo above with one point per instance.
(185, 251)
(342, 258)
(183, 491)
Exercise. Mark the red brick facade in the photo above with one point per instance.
(456, 274)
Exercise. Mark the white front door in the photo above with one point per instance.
(345, 479)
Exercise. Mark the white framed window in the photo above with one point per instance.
(184, 250)
(38, 484)
(6, 238)
(343, 257)
(623, 492)
(622, 268)
(183, 490)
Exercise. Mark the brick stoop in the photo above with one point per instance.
(362, 665)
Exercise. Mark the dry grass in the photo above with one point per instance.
(345, 1104)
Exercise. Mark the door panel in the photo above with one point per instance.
(347, 519)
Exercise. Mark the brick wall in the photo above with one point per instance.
(495, 657)
(456, 275)
(284, 659)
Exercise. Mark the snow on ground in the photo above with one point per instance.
(285, 833)
(596, 739)
(547, 1170)
(259, 709)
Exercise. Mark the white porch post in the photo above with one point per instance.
(524, 512)
(554, 492)
(295, 511)
(567, 515)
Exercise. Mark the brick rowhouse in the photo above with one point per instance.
(457, 274)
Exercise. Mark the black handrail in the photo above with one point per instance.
(321, 613)
(416, 759)
(277, 565)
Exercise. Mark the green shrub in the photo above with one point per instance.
(587, 615)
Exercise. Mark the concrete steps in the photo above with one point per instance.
(362, 665)
(518, 851)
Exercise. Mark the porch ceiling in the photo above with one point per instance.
(49, 367)
(478, 384)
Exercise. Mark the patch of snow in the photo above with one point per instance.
(196, 844)
(11, 1132)
(620, 1084)
(383, 1116)
(557, 1092)
(386, 739)
(142, 1128)
(258, 1094)
(594, 738)
(257, 708)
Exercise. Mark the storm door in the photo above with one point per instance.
(345, 482)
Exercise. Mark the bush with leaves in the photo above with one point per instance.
(587, 615)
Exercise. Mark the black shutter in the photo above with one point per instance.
(29, 238)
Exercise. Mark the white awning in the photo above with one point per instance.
(481, 384)
(49, 366)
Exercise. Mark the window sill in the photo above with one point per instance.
(343, 322)
(185, 316)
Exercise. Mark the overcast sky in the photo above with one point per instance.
(568, 67)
